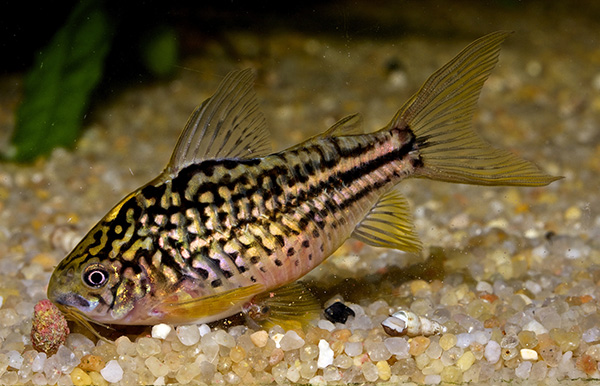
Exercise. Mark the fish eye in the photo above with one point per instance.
(95, 276)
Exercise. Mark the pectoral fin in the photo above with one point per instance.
(209, 308)
(291, 306)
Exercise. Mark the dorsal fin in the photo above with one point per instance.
(349, 125)
(389, 225)
(229, 124)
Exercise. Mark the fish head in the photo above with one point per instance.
(99, 290)
(83, 286)
(95, 282)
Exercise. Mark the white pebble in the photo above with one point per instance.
(433, 379)
(540, 251)
(484, 286)
(156, 366)
(538, 371)
(80, 343)
(397, 346)
(293, 374)
(325, 354)
(522, 371)
(237, 331)
(209, 347)
(464, 340)
(277, 339)
(38, 362)
(536, 327)
(377, 351)
(39, 380)
(549, 318)
(591, 335)
(188, 335)
(332, 374)
(67, 359)
(362, 322)
(1, 301)
(317, 380)
(326, 325)
(52, 369)
(566, 364)
(528, 354)
(353, 348)
(291, 341)
(573, 253)
(204, 329)
(482, 336)
(358, 310)
(15, 360)
(492, 351)
(161, 331)
(370, 371)
(112, 372)
(533, 287)
(224, 339)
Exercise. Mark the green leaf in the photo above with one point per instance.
(57, 89)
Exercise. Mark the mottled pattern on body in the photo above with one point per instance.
(220, 224)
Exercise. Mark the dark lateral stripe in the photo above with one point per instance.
(360, 171)
(335, 181)
(339, 179)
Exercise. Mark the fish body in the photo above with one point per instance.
(227, 222)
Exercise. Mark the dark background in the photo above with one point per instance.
(26, 27)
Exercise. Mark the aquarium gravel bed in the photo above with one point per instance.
(512, 274)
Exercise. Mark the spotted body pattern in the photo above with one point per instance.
(226, 221)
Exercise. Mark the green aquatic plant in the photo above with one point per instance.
(58, 88)
(81, 55)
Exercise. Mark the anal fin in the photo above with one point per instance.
(389, 224)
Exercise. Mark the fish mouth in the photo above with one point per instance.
(73, 306)
(73, 301)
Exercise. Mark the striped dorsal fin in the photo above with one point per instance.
(229, 124)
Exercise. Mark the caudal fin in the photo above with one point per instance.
(440, 116)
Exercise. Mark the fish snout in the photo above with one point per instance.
(73, 300)
(60, 292)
